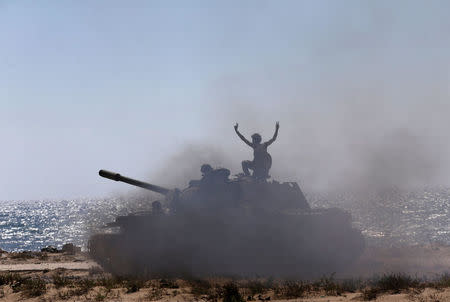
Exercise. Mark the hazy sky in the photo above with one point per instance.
(122, 85)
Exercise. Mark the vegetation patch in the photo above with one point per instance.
(61, 280)
(83, 287)
(134, 285)
(105, 287)
(155, 293)
(351, 285)
(395, 283)
(168, 283)
(231, 293)
(33, 287)
(370, 293)
(200, 287)
(329, 285)
(10, 279)
(443, 281)
(292, 289)
(109, 283)
(256, 287)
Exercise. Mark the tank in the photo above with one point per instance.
(227, 226)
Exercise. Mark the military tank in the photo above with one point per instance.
(227, 226)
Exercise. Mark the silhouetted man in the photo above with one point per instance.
(211, 176)
(262, 161)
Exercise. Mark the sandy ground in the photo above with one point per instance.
(429, 260)
(47, 266)
(182, 294)
(17, 262)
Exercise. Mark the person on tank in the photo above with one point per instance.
(210, 176)
(206, 170)
(262, 161)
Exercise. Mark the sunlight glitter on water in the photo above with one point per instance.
(413, 218)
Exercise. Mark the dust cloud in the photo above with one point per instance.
(347, 147)
(358, 114)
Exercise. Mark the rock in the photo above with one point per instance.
(70, 248)
(50, 249)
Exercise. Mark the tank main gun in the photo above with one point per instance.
(117, 177)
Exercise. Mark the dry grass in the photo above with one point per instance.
(395, 283)
(33, 287)
(231, 293)
(154, 293)
(200, 287)
(61, 280)
(10, 278)
(67, 285)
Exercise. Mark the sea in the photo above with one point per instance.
(393, 218)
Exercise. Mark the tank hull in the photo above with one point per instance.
(234, 242)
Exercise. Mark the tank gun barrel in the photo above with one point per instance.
(117, 177)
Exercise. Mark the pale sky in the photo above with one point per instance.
(120, 85)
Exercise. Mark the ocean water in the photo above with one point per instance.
(34, 224)
(395, 218)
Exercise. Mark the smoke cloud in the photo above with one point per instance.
(356, 146)
(361, 112)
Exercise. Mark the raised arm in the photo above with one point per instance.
(277, 126)
(241, 136)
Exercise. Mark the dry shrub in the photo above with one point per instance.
(109, 283)
(155, 293)
(168, 283)
(329, 285)
(33, 287)
(134, 285)
(292, 289)
(443, 281)
(395, 283)
(414, 294)
(390, 283)
(83, 287)
(200, 287)
(10, 279)
(231, 293)
(100, 296)
(432, 297)
(61, 280)
(351, 285)
(370, 293)
(256, 287)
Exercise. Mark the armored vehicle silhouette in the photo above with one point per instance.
(223, 226)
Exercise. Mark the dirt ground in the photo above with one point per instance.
(33, 276)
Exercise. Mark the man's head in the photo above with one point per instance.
(206, 169)
(256, 138)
